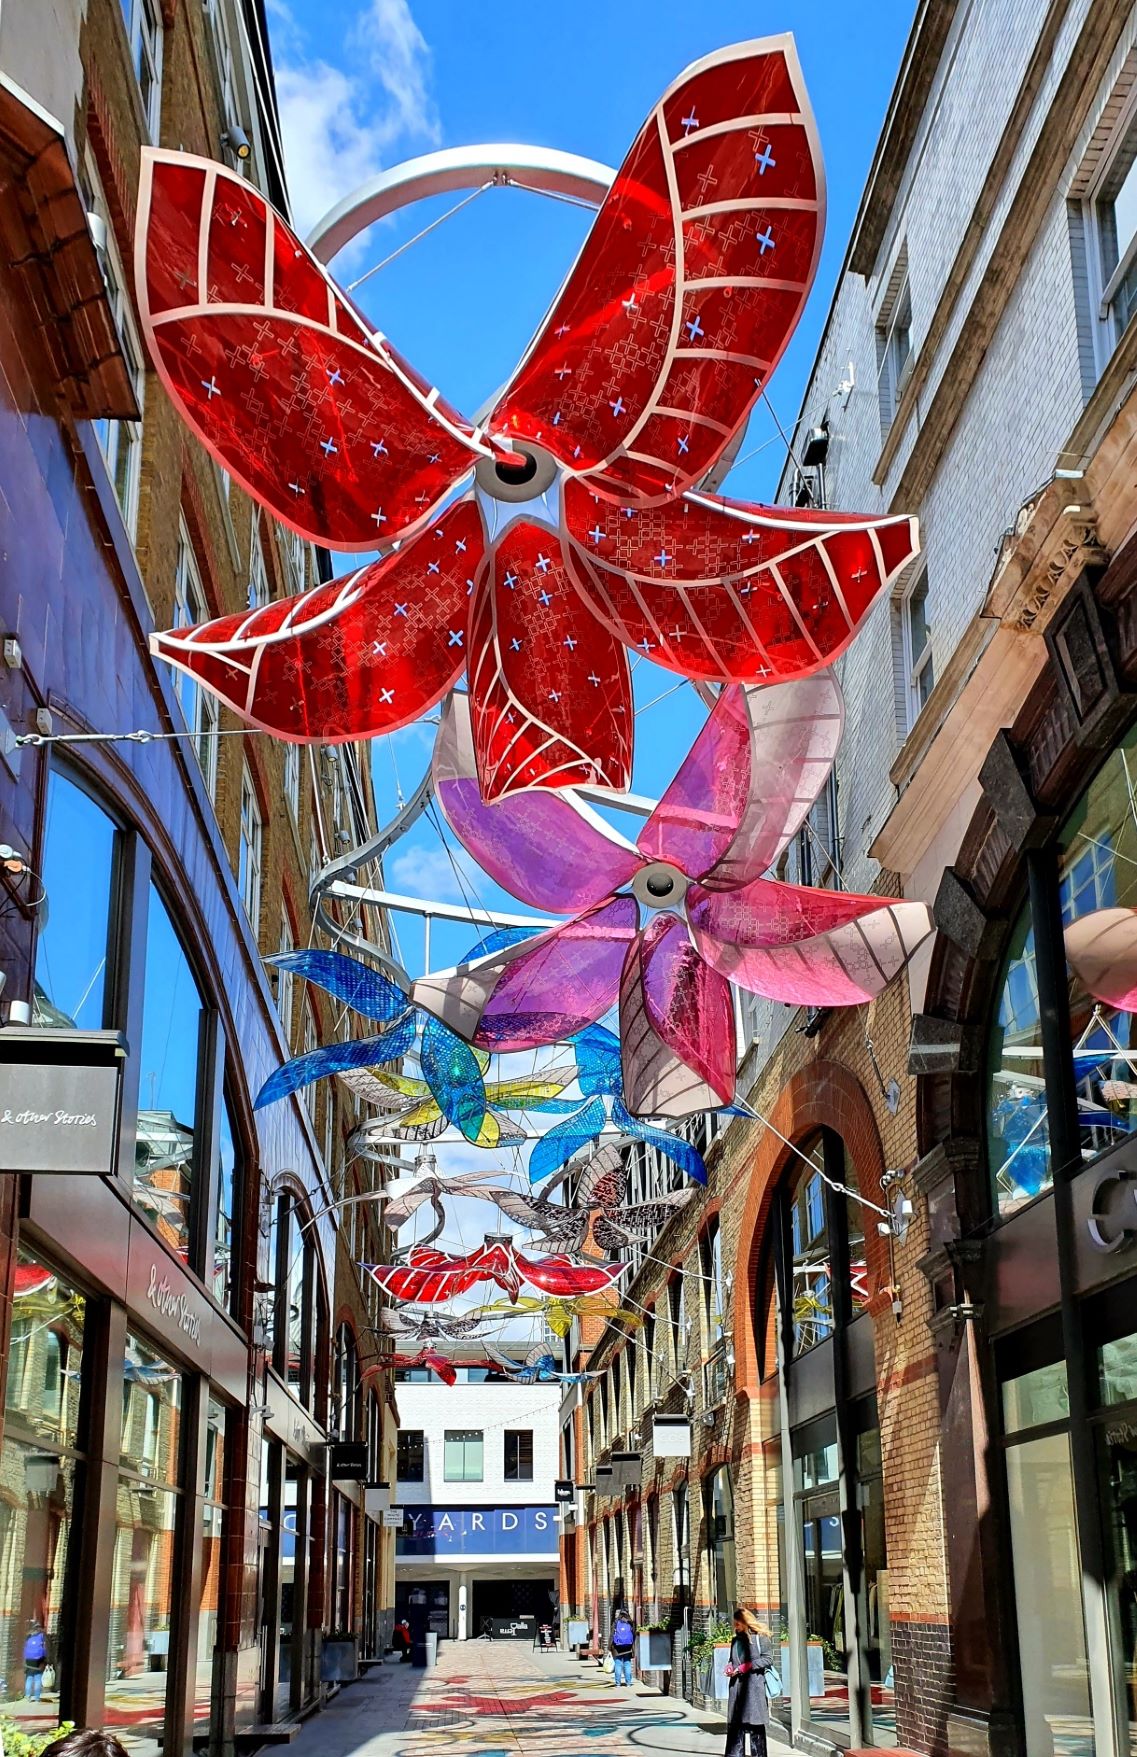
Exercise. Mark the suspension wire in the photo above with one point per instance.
(833, 1183)
(448, 215)
(798, 465)
(37, 739)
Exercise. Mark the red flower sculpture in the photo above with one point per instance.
(584, 535)
(429, 1275)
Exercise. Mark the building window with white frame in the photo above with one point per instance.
(144, 31)
(119, 441)
(914, 636)
(259, 593)
(1111, 214)
(285, 984)
(308, 1046)
(894, 341)
(292, 778)
(251, 851)
(198, 705)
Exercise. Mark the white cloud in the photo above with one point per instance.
(340, 113)
(428, 872)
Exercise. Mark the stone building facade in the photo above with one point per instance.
(927, 1431)
(183, 1325)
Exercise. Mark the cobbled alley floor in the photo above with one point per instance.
(501, 1699)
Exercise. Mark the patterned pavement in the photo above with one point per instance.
(501, 1699)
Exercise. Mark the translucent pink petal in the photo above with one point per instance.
(547, 848)
(540, 991)
(676, 1026)
(1101, 949)
(806, 947)
(751, 776)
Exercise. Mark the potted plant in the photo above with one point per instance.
(709, 1654)
(339, 1657)
(15, 1742)
(653, 1647)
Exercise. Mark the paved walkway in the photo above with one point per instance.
(500, 1699)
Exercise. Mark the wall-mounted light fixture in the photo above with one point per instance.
(237, 142)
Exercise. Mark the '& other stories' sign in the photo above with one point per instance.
(441, 1532)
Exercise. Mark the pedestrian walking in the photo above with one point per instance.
(748, 1707)
(35, 1660)
(85, 1744)
(623, 1644)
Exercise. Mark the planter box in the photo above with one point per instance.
(653, 1649)
(339, 1661)
(720, 1683)
(577, 1632)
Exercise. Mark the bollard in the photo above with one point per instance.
(431, 1649)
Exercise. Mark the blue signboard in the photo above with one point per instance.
(479, 1531)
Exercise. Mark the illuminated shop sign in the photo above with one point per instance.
(479, 1531)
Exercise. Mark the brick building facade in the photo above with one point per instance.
(183, 1334)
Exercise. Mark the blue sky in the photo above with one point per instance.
(365, 83)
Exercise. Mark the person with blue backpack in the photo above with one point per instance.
(623, 1644)
(35, 1660)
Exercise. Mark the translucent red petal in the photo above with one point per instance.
(352, 659)
(717, 589)
(688, 286)
(550, 690)
(275, 370)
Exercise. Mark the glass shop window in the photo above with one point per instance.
(209, 1600)
(225, 1210)
(169, 1074)
(462, 1455)
(1045, 1559)
(73, 941)
(518, 1455)
(720, 1540)
(411, 1465)
(1097, 878)
(42, 1452)
(812, 1268)
(142, 1579)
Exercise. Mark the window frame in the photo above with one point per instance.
(467, 1438)
(518, 1472)
(914, 664)
(112, 433)
(136, 14)
(286, 980)
(250, 852)
(204, 713)
(259, 589)
(1106, 325)
(894, 318)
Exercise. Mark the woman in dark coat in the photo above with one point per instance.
(748, 1708)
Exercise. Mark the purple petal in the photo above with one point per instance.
(540, 991)
(549, 849)
(752, 774)
(676, 1026)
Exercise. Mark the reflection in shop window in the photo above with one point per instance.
(38, 1467)
(720, 1539)
(142, 1582)
(224, 1219)
(209, 1600)
(74, 929)
(812, 1269)
(164, 1161)
(1097, 870)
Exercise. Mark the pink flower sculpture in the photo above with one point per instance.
(1101, 949)
(536, 549)
(666, 926)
